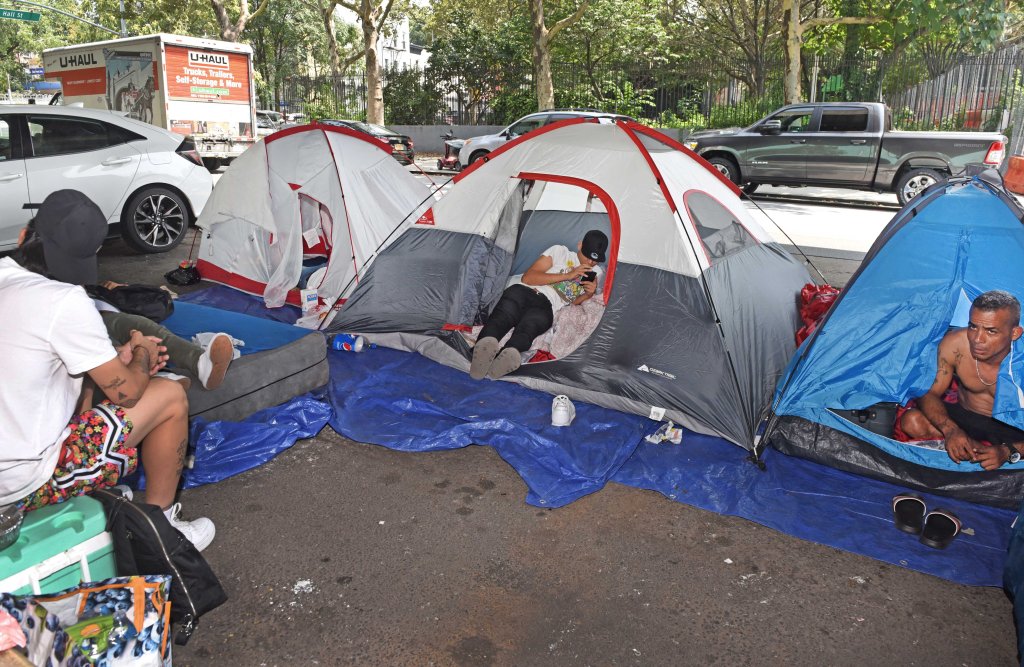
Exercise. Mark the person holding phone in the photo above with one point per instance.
(560, 277)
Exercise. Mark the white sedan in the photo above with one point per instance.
(149, 181)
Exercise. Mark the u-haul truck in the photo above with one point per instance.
(198, 87)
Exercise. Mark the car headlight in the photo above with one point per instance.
(692, 145)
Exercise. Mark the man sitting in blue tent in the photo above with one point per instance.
(973, 356)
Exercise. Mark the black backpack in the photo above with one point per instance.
(145, 542)
(149, 302)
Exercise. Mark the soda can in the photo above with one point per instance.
(349, 342)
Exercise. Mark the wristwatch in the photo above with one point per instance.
(1014, 454)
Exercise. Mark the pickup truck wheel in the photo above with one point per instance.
(155, 220)
(916, 181)
(727, 168)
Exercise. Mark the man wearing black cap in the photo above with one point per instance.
(58, 441)
(560, 277)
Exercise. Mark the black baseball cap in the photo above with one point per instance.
(72, 228)
(594, 245)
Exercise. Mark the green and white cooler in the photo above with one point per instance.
(59, 546)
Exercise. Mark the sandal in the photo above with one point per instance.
(940, 528)
(908, 510)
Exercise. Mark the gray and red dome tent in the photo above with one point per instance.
(700, 305)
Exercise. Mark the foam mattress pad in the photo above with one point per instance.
(278, 361)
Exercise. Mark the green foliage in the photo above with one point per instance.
(477, 64)
(620, 97)
(409, 97)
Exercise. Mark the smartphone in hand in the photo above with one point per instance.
(589, 277)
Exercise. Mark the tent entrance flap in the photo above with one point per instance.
(609, 206)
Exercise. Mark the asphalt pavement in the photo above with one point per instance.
(341, 553)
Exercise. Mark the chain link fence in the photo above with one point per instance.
(983, 92)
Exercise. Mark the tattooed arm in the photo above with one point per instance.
(958, 445)
(123, 382)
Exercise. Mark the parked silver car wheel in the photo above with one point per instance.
(155, 220)
(916, 181)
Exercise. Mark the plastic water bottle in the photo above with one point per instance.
(349, 342)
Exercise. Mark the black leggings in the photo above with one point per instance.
(521, 309)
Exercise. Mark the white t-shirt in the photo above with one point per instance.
(51, 335)
(563, 260)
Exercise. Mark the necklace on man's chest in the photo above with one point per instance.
(977, 367)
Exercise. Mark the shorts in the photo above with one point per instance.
(93, 456)
(982, 428)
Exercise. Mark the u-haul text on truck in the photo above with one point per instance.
(192, 86)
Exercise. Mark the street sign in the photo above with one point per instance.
(36, 71)
(18, 15)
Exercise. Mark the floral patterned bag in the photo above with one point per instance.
(119, 621)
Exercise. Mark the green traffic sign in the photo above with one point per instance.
(18, 15)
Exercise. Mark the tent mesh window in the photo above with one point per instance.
(720, 231)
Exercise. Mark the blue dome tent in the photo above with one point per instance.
(878, 343)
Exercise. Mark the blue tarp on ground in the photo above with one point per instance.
(407, 402)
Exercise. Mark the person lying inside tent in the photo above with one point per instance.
(61, 437)
(560, 277)
(972, 356)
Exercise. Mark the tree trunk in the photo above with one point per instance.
(794, 40)
(541, 57)
(374, 85)
(230, 30)
(327, 14)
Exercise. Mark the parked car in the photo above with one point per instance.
(268, 122)
(150, 183)
(401, 144)
(477, 148)
(844, 145)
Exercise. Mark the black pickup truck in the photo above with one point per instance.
(845, 145)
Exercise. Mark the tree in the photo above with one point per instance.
(795, 29)
(325, 9)
(477, 60)
(542, 40)
(371, 15)
(745, 32)
(231, 29)
(282, 38)
(614, 34)
(892, 27)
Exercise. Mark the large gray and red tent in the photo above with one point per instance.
(700, 305)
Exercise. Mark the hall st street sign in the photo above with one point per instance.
(18, 15)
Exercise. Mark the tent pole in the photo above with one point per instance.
(788, 238)
(711, 302)
(331, 311)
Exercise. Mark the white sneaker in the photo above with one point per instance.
(199, 531)
(124, 490)
(215, 360)
(562, 411)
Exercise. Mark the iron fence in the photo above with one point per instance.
(969, 93)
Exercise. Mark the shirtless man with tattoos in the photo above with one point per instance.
(973, 356)
(75, 410)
